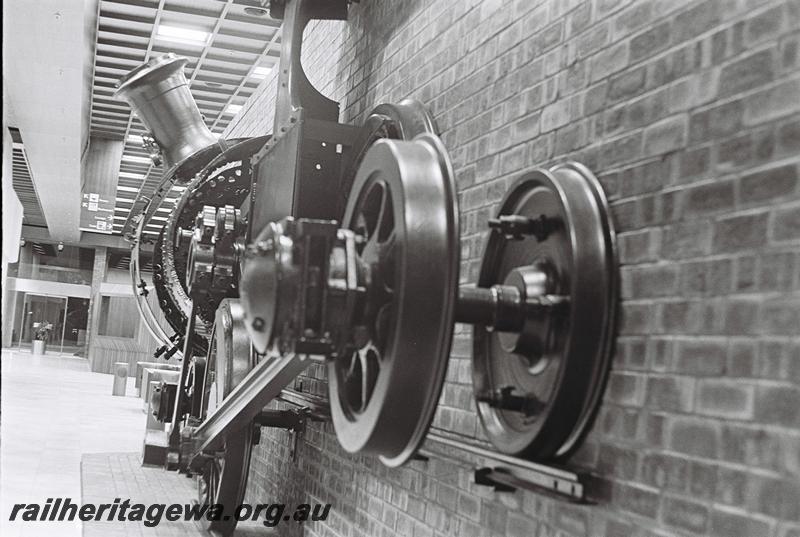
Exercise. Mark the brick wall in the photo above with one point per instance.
(689, 113)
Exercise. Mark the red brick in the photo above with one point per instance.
(689, 238)
(694, 164)
(520, 526)
(694, 437)
(777, 271)
(724, 398)
(778, 405)
(671, 66)
(702, 480)
(609, 61)
(764, 25)
(780, 317)
(670, 393)
(701, 357)
(741, 317)
(771, 497)
(625, 389)
(775, 102)
(649, 281)
(697, 20)
(789, 136)
(648, 43)
(747, 73)
(787, 224)
(638, 246)
(740, 233)
(716, 122)
(636, 499)
(685, 515)
(770, 184)
(731, 486)
(665, 136)
(623, 149)
(682, 317)
(736, 524)
(665, 472)
(627, 84)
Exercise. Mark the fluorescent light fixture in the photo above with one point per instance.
(135, 139)
(134, 158)
(154, 226)
(159, 218)
(170, 200)
(233, 109)
(125, 200)
(127, 189)
(261, 72)
(17, 145)
(119, 217)
(178, 188)
(182, 35)
(129, 175)
(164, 210)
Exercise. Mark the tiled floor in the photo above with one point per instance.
(65, 436)
(107, 476)
(53, 411)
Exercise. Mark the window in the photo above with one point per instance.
(118, 316)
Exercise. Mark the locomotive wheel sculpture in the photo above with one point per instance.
(543, 308)
(402, 210)
(223, 181)
(222, 478)
(346, 252)
(538, 385)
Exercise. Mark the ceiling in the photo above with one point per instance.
(230, 45)
(46, 57)
(222, 71)
(32, 214)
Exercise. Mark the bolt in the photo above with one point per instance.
(258, 324)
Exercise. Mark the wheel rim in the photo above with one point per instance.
(384, 394)
(568, 379)
(223, 479)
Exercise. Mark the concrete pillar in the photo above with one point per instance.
(98, 276)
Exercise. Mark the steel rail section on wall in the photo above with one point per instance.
(503, 472)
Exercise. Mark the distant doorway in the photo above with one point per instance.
(60, 320)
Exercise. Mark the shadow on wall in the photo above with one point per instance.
(375, 23)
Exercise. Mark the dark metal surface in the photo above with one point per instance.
(223, 474)
(263, 384)
(403, 207)
(560, 361)
(557, 480)
(224, 181)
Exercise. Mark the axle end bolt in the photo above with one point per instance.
(515, 226)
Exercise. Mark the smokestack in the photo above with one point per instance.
(159, 94)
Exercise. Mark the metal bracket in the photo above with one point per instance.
(491, 477)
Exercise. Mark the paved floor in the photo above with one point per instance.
(63, 435)
(107, 476)
(53, 411)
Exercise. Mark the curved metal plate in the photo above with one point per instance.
(568, 377)
(221, 182)
(403, 204)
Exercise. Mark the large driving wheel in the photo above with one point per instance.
(223, 478)
(403, 211)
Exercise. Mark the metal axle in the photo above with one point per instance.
(503, 308)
